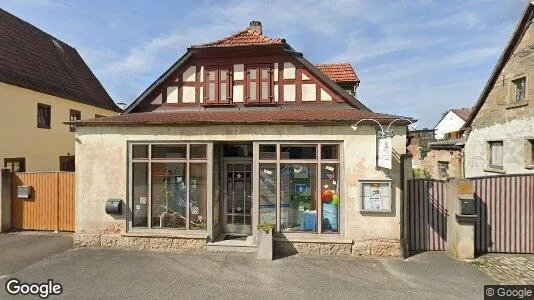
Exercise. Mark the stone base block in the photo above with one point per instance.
(139, 242)
(290, 248)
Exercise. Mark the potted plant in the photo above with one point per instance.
(265, 241)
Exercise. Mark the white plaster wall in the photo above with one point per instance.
(275, 70)
(238, 93)
(325, 96)
(157, 100)
(309, 92)
(450, 123)
(276, 91)
(172, 94)
(289, 92)
(101, 170)
(239, 73)
(189, 93)
(305, 77)
(289, 71)
(189, 74)
(513, 134)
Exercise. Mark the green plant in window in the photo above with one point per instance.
(266, 227)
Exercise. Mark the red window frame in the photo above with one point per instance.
(219, 99)
(259, 80)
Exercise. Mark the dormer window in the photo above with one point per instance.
(259, 84)
(217, 85)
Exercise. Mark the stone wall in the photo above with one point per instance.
(503, 118)
(430, 162)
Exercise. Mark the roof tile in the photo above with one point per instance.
(340, 72)
(246, 37)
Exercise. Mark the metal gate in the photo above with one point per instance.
(427, 215)
(504, 206)
(51, 204)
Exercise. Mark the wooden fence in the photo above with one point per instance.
(51, 205)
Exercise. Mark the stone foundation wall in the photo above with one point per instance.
(360, 248)
(140, 242)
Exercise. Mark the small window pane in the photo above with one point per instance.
(298, 152)
(252, 91)
(330, 197)
(223, 75)
(222, 92)
(264, 90)
(531, 142)
(330, 151)
(265, 74)
(211, 75)
(197, 151)
(520, 89)
(298, 194)
(140, 194)
(211, 91)
(252, 73)
(267, 151)
(268, 193)
(169, 151)
(169, 195)
(140, 151)
(198, 187)
(496, 154)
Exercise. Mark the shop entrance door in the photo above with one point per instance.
(238, 196)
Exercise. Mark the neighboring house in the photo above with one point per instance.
(451, 123)
(500, 130)
(240, 132)
(43, 83)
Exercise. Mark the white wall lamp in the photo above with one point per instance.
(387, 132)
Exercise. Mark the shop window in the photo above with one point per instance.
(520, 88)
(495, 154)
(217, 85)
(308, 191)
(298, 152)
(15, 164)
(176, 197)
(443, 170)
(74, 115)
(259, 84)
(268, 181)
(44, 116)
(298, 194)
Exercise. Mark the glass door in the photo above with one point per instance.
(238, 197)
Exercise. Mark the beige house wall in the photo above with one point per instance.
(501, 118)
(20, 137)
(102, 173)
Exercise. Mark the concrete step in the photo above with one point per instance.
(247, 245)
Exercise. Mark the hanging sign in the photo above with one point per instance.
(384, 152)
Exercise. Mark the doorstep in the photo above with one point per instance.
(232, 245)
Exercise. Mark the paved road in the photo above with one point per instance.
(21, 249)
(121, 274)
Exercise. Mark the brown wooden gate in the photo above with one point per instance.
(51, 206)
(505, 209)
(427, 215)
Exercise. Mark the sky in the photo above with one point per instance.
(416, 58)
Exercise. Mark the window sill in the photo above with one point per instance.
(494, 170)
(167, 233)
(311, 238)
(217, 104)
(260, 104)
(517, 104)
(531, 166)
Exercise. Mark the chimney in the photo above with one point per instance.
(255, 26)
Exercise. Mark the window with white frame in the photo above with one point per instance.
(495, 154)
(299, 187)
(520, 88)
(168, 185)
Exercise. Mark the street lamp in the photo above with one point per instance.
(387, 132)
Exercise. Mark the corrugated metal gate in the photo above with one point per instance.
(505, 207)
(51, 206)
(427, 215)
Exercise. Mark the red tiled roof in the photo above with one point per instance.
(317, 116)
(32, 59)
(463, 113)
(246, 37)
(341, 72)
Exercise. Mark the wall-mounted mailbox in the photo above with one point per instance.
(24, 192)
(467, 206)
(114, 207)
